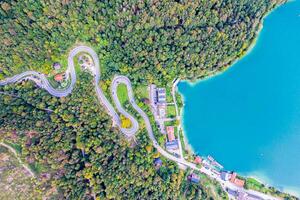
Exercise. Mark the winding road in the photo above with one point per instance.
(42, 81)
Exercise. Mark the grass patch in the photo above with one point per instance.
(171, 111)
(122, 94)
(76, 65)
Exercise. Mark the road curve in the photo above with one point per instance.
(115, 83)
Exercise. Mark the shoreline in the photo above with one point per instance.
(248, 50)
(218, 73)
(188, 146)
(259, 177)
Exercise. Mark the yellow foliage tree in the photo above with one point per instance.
(125, 122)
(148, 148)
(156, 155)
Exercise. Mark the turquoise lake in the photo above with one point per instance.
(248, 118)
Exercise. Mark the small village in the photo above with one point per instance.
(159, 103)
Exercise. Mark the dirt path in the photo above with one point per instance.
(17, 156)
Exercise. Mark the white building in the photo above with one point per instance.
(161, 95)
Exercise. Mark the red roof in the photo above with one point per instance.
(58, 77)
(239, 182)
(170, 132)
(236, 181)
(198, 159)
(232, 178)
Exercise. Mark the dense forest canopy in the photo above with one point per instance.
(159, 38)
(70, 140)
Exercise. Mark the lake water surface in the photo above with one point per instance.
(248, 118)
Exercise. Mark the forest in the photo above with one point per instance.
(159, 38)
(70, 142)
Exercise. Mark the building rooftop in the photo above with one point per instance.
(161, 90)
(233, 176)
(170, 132)
(157, 162)
(59, 77)
(161, 95)
(194, 178)
(198, 160)
(56, 66)
(172, 145)
(225, 175)
(238, 182)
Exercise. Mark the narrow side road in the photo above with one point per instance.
(19, 159)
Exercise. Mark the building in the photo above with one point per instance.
(56, 66)
(194, 178)
(161, 95)
(225, 175)
(217, 165)
(157, 162)
(172, 145)
(198, 160)
(238, 182)
(216, 172)
(206, 163)
(59, 77)
(157, 97)
(170, 132)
